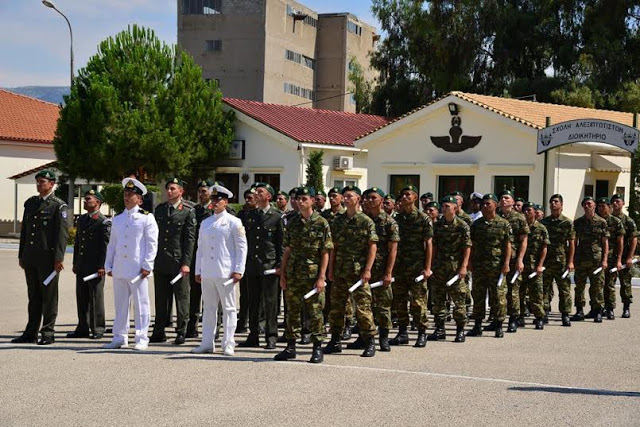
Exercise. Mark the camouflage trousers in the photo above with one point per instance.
(609, 290)
(457, 292)
(294, 300)
(513, 292)
(596, 283)
(625, 286)
(362, 296)
(533, 288)
(554, 271)
(487, 281)
(405, 283)
(381, 305)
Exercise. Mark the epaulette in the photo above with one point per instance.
(58, 200)
(143, 212)
(188, 204)
(31, 200)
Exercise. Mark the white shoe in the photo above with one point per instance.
(228, 350)
(115, 344)
(201, 350)
(140, 347)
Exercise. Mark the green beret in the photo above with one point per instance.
(95, 194)
(47, 174)
(377, 190)
(448, 199)
(505, 193)
(456, 193)
(175, 180)
(427, 196)
(435, 205)
(249, 191)
(390, 197)
(409, 187)
(519, 199)
(489, 196)
(266, 186)
(283, 194)
(539, 207)
(333, 190)
(603, 200)
(293, 191)
(206, 183)
(586, 199)
(305, 191)
(556, 196)
(528, 205)
(617, 196)
(352, 188)
(321, 193)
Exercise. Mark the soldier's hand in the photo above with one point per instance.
(629, 262)
(505, 268)
(236, 277)
(520, 266)
(462, 273)
(386, 281)
(58, 266)
(144, 273)
(73, 269)
(109, 274)
(283, 282)
(570, 266)
(101, 272)
(365, 276)
(198, 278)
(604, 265)
(427, 273)
(185, 270)
(320, 284)
(619, 265)
(539, 270)
(278, 271)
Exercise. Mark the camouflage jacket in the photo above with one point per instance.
(560, 231)
(489, 239)
(450, 239)
(630, 231)
(615, 229)
(415, 227)
(387, 231)
(519, 228)
(464, 216)
(538, 238)
(308, 239)
(351, 240)
(330, 216)
(589, 234)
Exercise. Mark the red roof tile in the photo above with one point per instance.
(27, 119)
(310, 125)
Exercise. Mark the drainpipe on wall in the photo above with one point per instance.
(15, 206)
(301, 170)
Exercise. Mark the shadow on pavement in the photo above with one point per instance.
(586, 391)
(219, 358)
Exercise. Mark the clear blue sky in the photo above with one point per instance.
(34, 40)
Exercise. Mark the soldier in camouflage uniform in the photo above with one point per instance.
(614, 258)
(414, 260)
(628, 251)
(534, 257)
(520, 231)
(433, 211)
(452, 247)
(387, 247)
(354, 240)
(560, 252)
(306, 243)
(490, 257)
(466, 218)
(425, 199)
(592, 247)
(389, 205)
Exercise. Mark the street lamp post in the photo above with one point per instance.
(71, 184)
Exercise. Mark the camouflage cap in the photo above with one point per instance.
(283, 194)
(409, 187)
(376, 190)
(205, 183)
(333, 190)
(305, 191)
(506, 193)
(175, 180)
(434, 205)
(617, 196)
(489, 196)
(352, 188)
(586, 199)
(556, 196)
(603, 200)
(46, 174)
(95, 194)
(448, 199)
(427, 195)
(266, 186)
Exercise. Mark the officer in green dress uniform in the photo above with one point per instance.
(243, 311)
(176, 220)
(282, 200)
(89, 252)
(43, 241)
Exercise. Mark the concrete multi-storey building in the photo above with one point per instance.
(276, 51)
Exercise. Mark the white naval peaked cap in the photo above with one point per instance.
(215, 189)
(476, 195)
(135, 185)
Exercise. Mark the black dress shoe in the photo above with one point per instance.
(192, 334)
(180, 339)
(241, 329)
(22, 339)
(97, 336)
(46, 341)
(158, 338)
(76, 334)
(250, 342)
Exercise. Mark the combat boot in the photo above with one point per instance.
(421, 341)
(610, 314)
(625, 311)
(521, 323)
(597, 316)
(402, 337)
(591, 314)
(317, 356)
(346, 333)
(499, 331)
(192, 330)
(358, 344)
(579, 316)
(513, 324)
(370, 347)
(539, 323)
(439, 333)
(288, 353)
(384, 340)
(334, 345)
(460, 334)
(491, 327)
(565, 319)
(477, 330)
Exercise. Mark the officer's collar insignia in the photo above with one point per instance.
(180, 207)
(95, 215)
(130, 184)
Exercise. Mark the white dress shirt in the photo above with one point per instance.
(222, 247)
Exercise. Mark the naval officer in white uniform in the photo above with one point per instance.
(221, 257)
(130, 254)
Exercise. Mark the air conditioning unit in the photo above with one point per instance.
(343, 162)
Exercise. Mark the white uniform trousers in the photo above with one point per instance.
(214, 292)
(123, 290)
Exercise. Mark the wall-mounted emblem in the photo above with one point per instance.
(456, 142)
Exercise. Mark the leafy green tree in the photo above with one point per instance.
(141, 105)
(314, 170)
(360, 87)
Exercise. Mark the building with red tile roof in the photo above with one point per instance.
(27, 119)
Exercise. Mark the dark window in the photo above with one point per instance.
(201, 7)
(213, 45)
(354, 28)
(620, 190)
(602, 188)
(461, 183)
(519, 185)
(398, 182)
(273, 179)
(588, 190)
(232, 183)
